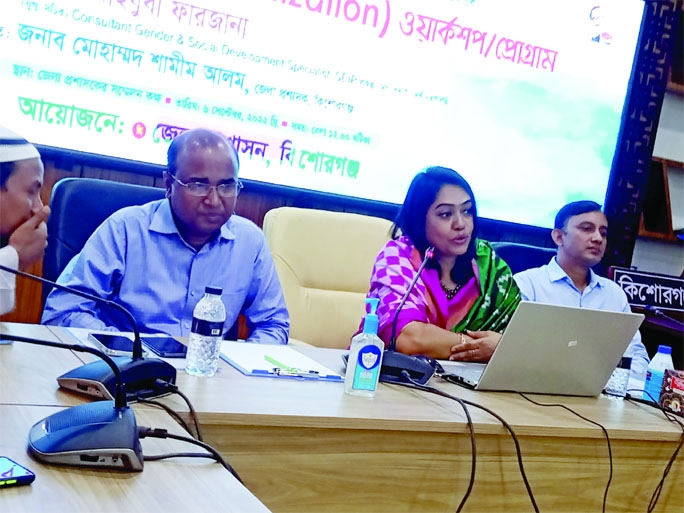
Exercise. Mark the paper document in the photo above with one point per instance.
(276, 361)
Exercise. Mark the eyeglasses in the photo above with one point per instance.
(199, 189)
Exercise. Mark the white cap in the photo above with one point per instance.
(13, 147)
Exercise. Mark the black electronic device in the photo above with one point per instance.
(166, 347)
(112, 344)
(96, 379)
(102, 434)
(13, 474)
(394, 363)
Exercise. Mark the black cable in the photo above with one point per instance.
(473, 459)
(193, 413)
(172, 388)
(654, 404)
(176, 416)
(447, 377)
(605, 433)
(163, 433)
(496, 416)
(158, 457)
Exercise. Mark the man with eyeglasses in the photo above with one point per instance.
(156, 259)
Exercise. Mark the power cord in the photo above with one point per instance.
(463, 402)
(669, 416)
(173, 389)
(176, 416)
(414, 384)
(145, 432)
(605, 433)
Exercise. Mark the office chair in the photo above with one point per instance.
(520, 257)
(324, 261)
(79, 206)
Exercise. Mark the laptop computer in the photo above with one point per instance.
(552, 349)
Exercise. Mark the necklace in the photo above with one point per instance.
(450, 293)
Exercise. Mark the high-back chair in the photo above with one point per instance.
(78, 207)
(520, 257)
(324, 261)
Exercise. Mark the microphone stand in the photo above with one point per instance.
(394, 363)
(97, 379)
(103, 434)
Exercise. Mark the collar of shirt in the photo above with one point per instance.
(556, 273)
(162, 222)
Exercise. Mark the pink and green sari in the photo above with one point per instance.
(486, 302)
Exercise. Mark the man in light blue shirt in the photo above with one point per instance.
(156, 259)
(580, 232)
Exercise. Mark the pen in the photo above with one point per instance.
(286, 370)
(299, 374)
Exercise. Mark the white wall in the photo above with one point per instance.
(669, 143)
(658, 257)
(654, 255)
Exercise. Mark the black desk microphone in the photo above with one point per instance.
(103, 434)
(394, 364)
(96, 379)
(659, 313)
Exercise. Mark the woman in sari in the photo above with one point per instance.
(465, 295)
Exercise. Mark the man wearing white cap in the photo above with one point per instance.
(23, 232)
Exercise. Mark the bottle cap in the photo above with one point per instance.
(213, 290)
(664, 349)
(625, 362)
(370, 324)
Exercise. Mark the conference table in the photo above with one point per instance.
(29, 393)
(305, 446)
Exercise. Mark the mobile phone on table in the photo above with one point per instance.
(13, 474)
(112, 344)
(166, 347)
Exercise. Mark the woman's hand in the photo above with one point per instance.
(475, 346)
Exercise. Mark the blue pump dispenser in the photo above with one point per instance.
(365, 356)
(370, 324)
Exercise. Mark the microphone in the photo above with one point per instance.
(103, 434)
(97, 379)
(395, 364)
(659, 313)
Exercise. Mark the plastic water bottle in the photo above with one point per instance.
(655, 372)
(365, 357)
(617, 384)
(206, 334)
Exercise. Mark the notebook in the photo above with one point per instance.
(552, 349)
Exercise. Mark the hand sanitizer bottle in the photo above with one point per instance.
(365, 356)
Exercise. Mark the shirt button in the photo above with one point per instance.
(192, 294)
(187, 325)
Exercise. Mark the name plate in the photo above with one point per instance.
(650, 289)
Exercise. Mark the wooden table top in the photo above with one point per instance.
(233, 398)
(257, 418)
(180, 484)
(29, 393)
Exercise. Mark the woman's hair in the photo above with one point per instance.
(413, 214)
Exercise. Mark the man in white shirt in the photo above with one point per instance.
(580, 232)
(23, 232)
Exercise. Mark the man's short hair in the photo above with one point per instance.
(574, 209)
(204, 138)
